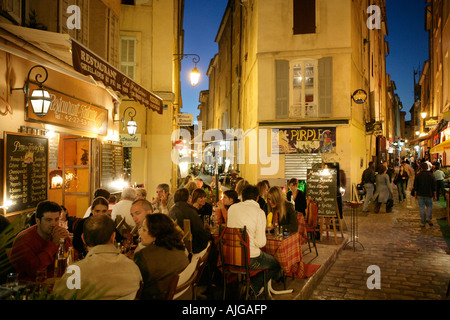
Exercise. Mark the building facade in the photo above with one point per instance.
(304, 82)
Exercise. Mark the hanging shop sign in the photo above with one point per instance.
(431, 122)
(185, 119)
(304, 140)
(359, 96)
(130, 141)
(71, 112)
(88, 63)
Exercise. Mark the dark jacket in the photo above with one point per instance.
(200, 236)
(263, 204)
(368, 176)
(425, 184)
(158, 265)
(300, 201)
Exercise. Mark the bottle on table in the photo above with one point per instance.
(60, 261)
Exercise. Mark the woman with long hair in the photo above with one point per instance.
(283, 211)
(230, 197)
(163, 255)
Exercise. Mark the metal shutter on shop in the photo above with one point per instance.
(296, 165)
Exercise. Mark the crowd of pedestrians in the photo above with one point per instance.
(420, 180)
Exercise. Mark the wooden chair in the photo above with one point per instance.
(235, 257)
(187, 238)
(183, 281)
(202, 262)
(311, 223)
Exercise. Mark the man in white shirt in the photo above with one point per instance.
(249, 214)
(123, 207)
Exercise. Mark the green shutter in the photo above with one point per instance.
(326, 87)
(282, 88)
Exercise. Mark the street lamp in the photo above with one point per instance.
(131, 125)
(40, 99)
(195, 74)
(423, 115)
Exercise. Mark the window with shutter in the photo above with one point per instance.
(325, 87)
(304, 89)
(128, 56)
(304, 16)
(282, 88)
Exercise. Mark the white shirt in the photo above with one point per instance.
(122, 208)
(250, 215)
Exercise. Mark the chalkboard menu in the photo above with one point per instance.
(321, 184)
(112, 166)
(25, 172)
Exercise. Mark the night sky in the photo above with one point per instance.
(408, 45)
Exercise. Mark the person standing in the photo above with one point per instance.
(384, 190)
(368, 179)
(424, 191)
(401, 180)
(439, 176)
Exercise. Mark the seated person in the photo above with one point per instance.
(164, 200)
(108, 273)
(162, 257)
(35, 248)
(283, 211)
(229, 197)
(183, 210)
(122, 208)
(200, 203)
(99, 206)
(248, 213)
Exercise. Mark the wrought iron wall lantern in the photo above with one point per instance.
(195, 74)
(40, 99)
(131, 125)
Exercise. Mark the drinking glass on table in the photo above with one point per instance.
(12, 280)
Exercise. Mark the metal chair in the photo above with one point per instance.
(235, 257)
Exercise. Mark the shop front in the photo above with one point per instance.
(71, 147)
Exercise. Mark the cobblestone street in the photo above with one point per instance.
(414, 262)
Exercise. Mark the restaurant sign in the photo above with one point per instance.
(71, 112)
(130, 141)
(304, 140)
(88, 63)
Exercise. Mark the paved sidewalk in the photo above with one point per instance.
(413, 261)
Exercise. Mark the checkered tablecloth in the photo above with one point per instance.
(288, 253)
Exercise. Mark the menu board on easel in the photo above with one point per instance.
(25, 181)
(321, 184)
(111, 166)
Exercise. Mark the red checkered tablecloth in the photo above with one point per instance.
(288, 253)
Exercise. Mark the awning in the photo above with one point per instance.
(441, 147)
(429, 135)
(68, 53)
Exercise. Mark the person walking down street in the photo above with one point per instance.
(424, 191)
(439, 176)
(368, 179)
(384, 191)
(401, 180)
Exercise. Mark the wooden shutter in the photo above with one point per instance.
(282, 88)
(326, 87)
(304, 16)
